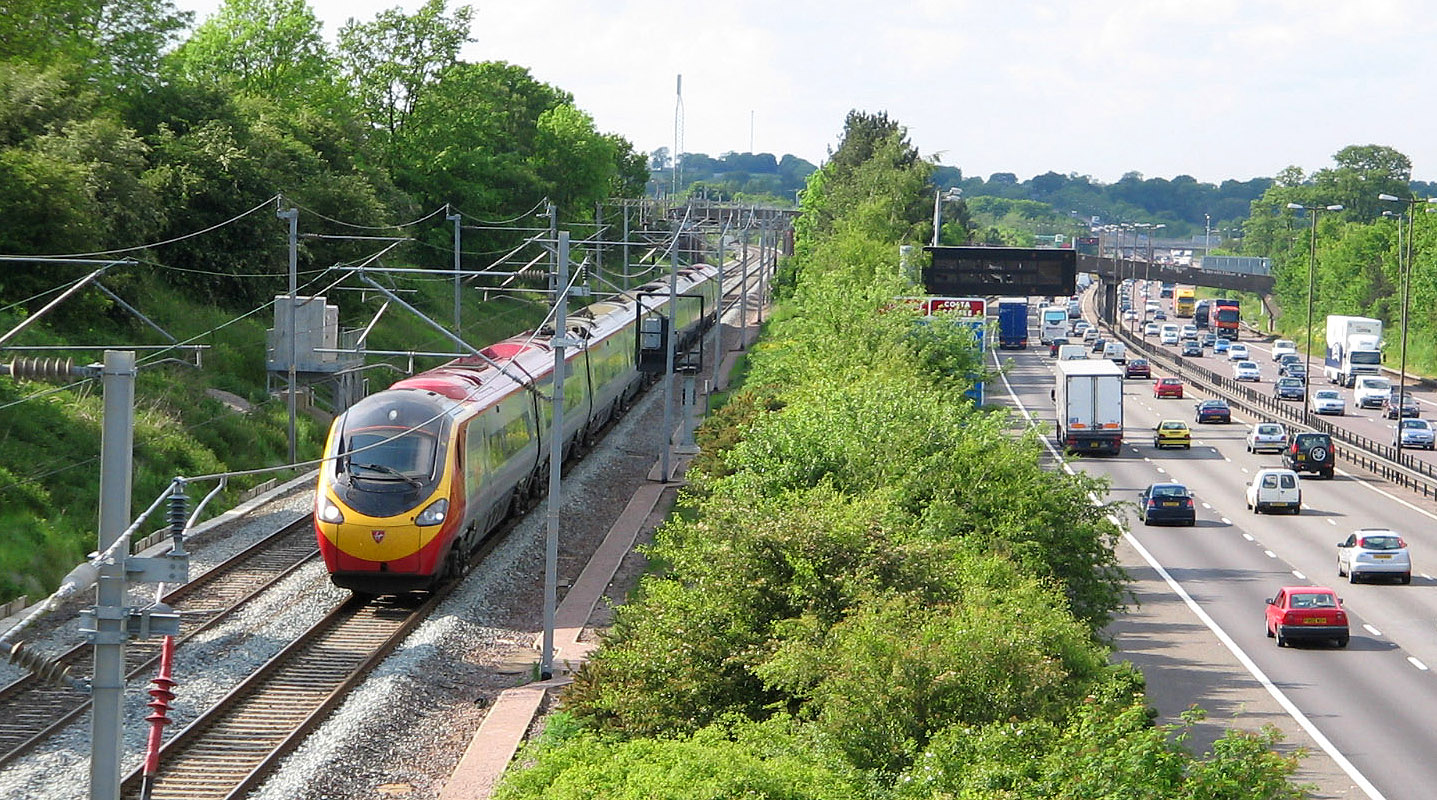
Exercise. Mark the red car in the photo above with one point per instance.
(1138, 368)
(1168, 387)
(1306, 612)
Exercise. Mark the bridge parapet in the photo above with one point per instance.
(1119, 269)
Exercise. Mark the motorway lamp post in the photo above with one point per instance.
(954, 193)
(1405, 270)
(1313, 211)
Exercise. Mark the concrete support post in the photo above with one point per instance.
(556, 456)
(108, 685)
(454, 218)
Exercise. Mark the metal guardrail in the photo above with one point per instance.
(1369, 454)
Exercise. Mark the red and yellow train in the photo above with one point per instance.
(415, 476)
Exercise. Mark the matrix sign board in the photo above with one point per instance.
(972, 309)
(1001, 271)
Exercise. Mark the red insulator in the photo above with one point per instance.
(159, 718)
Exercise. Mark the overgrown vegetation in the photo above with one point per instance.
(874, 591)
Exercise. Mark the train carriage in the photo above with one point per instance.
(415, 476)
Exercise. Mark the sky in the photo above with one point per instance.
(1213, 89)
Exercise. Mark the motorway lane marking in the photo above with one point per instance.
(1253, 669)
(1331, 522)
(1269, 554)
(1299, 575)
(1418, 664)
(1371, 629)
(1162, 471)
(1206, 507)
(1344, 473)
(1248, 537)
(1426, 577)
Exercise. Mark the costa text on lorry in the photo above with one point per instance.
(1354, 348)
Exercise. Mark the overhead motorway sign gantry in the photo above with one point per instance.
(1001, 271)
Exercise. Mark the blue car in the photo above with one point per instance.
(1290, 388)
(1213, 411)
(1167, 502)
(1220, 345)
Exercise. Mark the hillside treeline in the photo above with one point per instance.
(874, 590)
(119, 125)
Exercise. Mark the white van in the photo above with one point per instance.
(1070, 352)
(1369, 391)
(1274, 489)
(1169, 334)
(1116, 352)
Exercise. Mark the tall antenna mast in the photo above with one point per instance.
(678, 129)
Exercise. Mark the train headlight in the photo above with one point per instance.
(329, 512)
(434, 514)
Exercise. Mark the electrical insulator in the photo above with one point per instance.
(42, 667)
(42, 369)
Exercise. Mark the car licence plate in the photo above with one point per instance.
(1170, 505)
(1384, 555)
(1277, 505)
(1313, 621)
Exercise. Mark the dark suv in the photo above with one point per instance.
(1310, 452)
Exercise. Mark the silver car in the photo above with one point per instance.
(1246, 371)
(1374, 551)
(1267, 437)
(1416, 433)
(1328, 401)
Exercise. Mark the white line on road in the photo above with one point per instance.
(1372, 630)
(1253, 669)
(1332, 522)
(1270, 554)
(1418, 664)
(1246, 536)
(1299, 575)
(1206, 507)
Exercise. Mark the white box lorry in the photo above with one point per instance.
(1354, 347)
(1089, 399)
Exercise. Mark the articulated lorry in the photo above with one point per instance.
(1354, 348)
(1013, 323)
(1089, 398)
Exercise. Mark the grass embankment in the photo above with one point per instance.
(50, 438)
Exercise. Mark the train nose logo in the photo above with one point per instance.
(378, 536)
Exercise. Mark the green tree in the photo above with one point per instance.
(270, 48)
(393, 60)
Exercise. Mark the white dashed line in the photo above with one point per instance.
(1299, 575)
(1332, 522)
(1418, 664)
(1270, 554)
(1206, 507)
(1371, 629)
(1226, 521)
(1162, 471)
(1246, 536)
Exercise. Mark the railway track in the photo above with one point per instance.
(231, 748)
(31, 710)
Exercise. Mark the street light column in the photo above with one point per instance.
(1313, 211)
(1405, 271)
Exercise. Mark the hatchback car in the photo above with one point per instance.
(1137, 368)
(1246, 371)
(1394, 407)
(1172, 433)
(1213, 411)
(1283, 347)
(1306, 612)
(1267, 437)
(1310, 452)
(1167, 502)
(1191, 348)
(1274, 490)
(1416, 433)
(1168, 387)
(1098, 344)
(1288, 389)
(1374, 551)
(1221, 345)
(1237, 352)
(1328, 401)
(1090, 334)
(1081, 326)
(1151, 329)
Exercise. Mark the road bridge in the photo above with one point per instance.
(1113, 271)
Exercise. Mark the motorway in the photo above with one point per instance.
(1367, 705)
